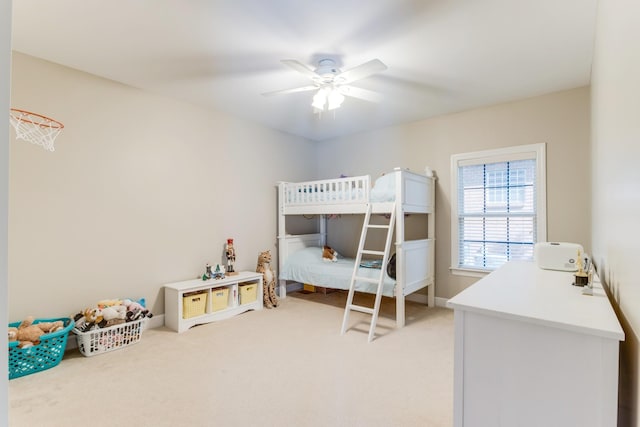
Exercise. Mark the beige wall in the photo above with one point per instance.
(561, 120)
(616, 176)
(141, 190)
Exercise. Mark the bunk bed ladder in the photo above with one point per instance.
(379, 281)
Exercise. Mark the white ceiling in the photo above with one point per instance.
(442, 55)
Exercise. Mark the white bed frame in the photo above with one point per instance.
(414, 194)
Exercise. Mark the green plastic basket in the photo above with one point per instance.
(47, 354)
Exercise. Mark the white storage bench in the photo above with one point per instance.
(195, 302)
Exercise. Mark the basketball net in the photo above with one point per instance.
(35, 128)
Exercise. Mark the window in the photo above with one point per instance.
(498, 207)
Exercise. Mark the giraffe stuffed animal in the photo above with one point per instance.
(269, 296)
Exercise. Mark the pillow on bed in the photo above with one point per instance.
(384, 188)
(307, 255)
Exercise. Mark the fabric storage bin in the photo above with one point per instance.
(248, 293)
(194, 304)
(103, 340)
(47, 354)
(219, 298)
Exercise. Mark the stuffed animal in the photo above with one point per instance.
(113, 322)
(112, 315)
(329, 254)
(108, 303)
(109, 313)
(135, 310)
(13, 333)
(79, 321)
(28, 333)
(89, 319)
(93, 315)
(114, 312)
(51, 327)
(269, 296)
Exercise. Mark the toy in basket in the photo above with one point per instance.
(111, 325)
(44, 352)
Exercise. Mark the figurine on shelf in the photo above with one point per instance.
(588, 289)
(230, 252)
(581, 276)
(208, 273)
(219, 272)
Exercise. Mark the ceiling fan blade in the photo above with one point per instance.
(293, 90)
(300, 67)
(361, 71)
(364, 94)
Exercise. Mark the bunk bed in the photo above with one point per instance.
(406, 192)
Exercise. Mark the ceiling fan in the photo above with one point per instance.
(332, 84)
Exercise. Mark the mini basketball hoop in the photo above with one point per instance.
(35, 128)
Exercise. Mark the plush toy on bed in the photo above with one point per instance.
(329, 254)
(269, 296)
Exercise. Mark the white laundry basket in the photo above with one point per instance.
(103, 340)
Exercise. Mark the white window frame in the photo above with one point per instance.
(520, 152)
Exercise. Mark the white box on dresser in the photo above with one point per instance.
(532, 350)
(174, 293)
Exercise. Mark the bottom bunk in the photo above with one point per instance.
(301, 261)
(308, 266)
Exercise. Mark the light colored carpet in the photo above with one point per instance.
(287, 366)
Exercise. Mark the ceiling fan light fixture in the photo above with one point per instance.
(327, 98)
(319, 99)
(331, 85)
(335, 100)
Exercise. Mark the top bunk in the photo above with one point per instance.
(413, 191)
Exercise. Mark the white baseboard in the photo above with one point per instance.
(157, 321)
(441, 302)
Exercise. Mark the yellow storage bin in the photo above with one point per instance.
(219, 298)
(248, 293)
(194, 304)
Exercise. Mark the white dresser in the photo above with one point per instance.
(531, 350)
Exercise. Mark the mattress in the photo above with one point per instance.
(307, 266)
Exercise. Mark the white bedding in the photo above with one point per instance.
(307, 266)
(384, 189)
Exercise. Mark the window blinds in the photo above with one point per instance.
(496, 213)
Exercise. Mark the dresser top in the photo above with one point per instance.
(521, 290)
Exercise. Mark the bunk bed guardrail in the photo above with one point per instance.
(339, 191)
